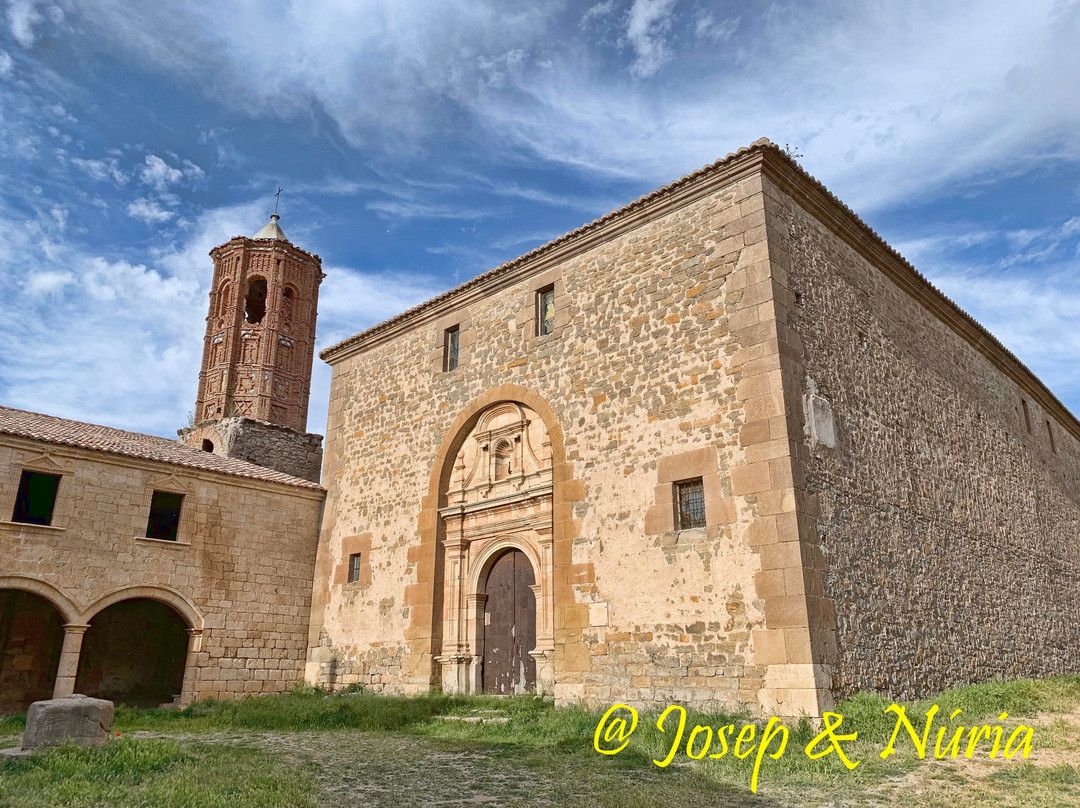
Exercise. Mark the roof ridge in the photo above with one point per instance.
(760, 144)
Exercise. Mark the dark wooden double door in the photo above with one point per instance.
(510, 626)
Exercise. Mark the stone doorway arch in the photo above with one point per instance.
(498, 501)
(135, 653)
(31, 639)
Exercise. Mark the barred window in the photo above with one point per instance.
(450, 348)
(690, 504)
(354, 567)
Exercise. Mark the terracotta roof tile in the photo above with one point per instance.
(61, 431)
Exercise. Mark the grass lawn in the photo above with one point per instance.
(310, 749)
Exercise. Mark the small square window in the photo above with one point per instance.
(164, 516)
(36, 498)
(354, 567)
(545, 311)
(690, 504)
(450, 348)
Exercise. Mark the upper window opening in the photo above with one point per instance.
(255, 302)
(207, 445)
(164, 516)
(690, 504)
(288, 293)
(36, 498)
(354, 567)
(1027, 415)
(450, 348)
(545, 311)
(1050, 434)
(223, 299)
(503, 460)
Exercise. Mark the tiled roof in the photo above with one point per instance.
(61, 431)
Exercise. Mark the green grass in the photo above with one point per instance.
(549, 752)
(152, 773)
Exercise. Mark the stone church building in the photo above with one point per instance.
(722, 447)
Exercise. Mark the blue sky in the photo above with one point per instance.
(420, 144)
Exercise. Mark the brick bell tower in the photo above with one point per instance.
(257, 355)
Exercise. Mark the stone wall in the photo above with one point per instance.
(239, 573)
(662, 362)
(950, 531)
(275, 447)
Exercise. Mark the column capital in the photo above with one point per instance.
(75, 628)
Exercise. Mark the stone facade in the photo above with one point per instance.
(296, 453)
(945, 478)
(872, 515)
(237, 579)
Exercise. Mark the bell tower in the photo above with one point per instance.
(257, 354)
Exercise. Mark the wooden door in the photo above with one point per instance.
(510, 626)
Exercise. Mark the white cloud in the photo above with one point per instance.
(158, 174)
(6, 64)
(647, 27)
(706, 27)
(47, 282)
(949, 92)
(148, 211)
(23, 16)
(602, 9)
(391, 210)
(100, 169)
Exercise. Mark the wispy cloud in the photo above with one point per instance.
(148, 211)
(647, 27)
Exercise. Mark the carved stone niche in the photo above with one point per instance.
(499, 499)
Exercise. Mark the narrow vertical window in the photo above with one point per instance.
(36, 498)
(690, 504)
(164, 516)
(1050, 434)
(1027, 415)
(545, 311)
(450, 348)
(354, 567)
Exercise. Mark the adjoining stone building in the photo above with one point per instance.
(147, 570)
(721, 447)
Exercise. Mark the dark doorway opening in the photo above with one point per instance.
(510, 626)
(134, 654)
(31, 636)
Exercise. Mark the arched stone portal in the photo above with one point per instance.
(134, 653)
(498, 505)
(31, 638)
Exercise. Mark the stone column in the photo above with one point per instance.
(69, 660)
(191, 667)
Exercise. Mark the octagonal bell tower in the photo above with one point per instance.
(257, 354)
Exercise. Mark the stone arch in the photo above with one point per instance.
(137, 649)
(35, 586)
(420, 670)
(170, 597)
(491, 552)
(32, 632)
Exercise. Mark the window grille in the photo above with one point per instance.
(690, 504)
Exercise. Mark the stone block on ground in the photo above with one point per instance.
(76, 719)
